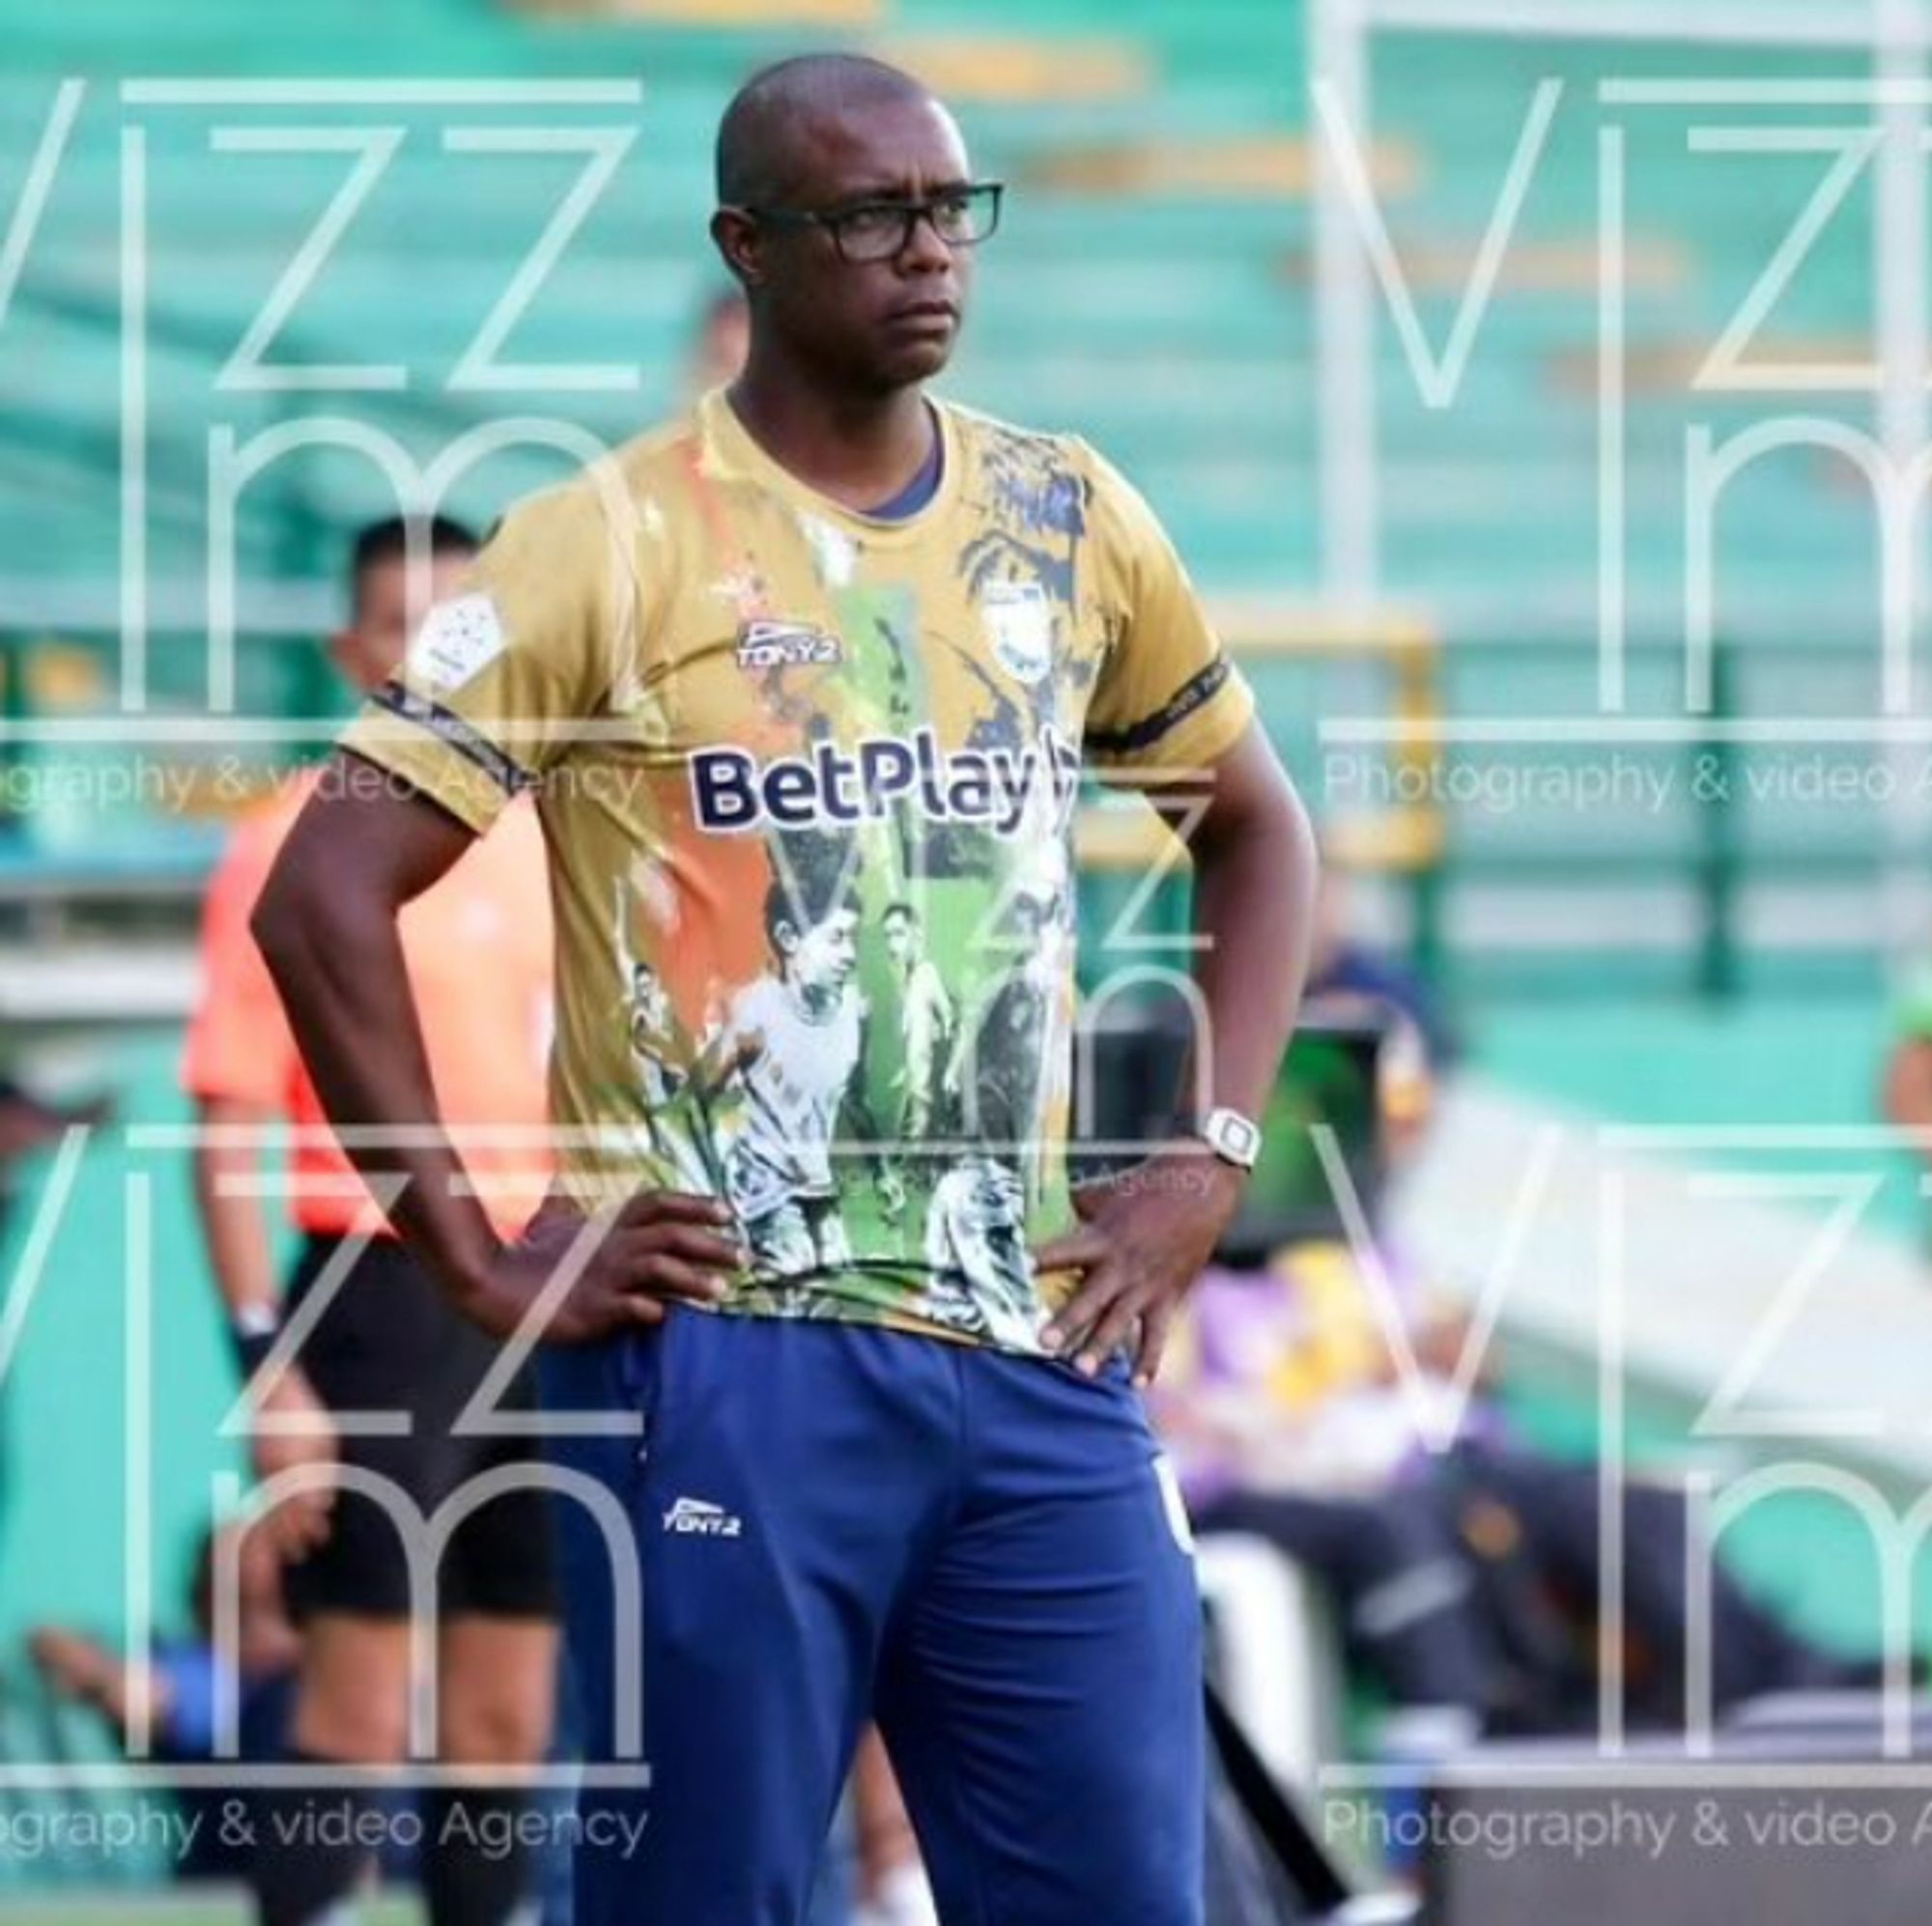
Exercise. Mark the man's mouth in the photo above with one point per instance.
(925, 314)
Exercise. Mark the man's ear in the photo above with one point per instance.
(735, 235)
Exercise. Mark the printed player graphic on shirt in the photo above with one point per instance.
(797, 1036)
(807, 779)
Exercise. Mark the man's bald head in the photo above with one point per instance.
(763, 141)
(839, 134)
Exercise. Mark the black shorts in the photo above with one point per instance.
(389, 1341)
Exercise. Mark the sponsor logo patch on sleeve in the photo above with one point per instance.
(458, 640)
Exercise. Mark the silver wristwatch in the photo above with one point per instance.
(1231, 1137)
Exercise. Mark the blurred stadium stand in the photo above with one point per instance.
(1161, 161)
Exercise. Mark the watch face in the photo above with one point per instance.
(1234, 1137)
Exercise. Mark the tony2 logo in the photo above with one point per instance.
(697, 1518)
(785, 645)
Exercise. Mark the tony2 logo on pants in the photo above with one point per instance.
(699, 1518)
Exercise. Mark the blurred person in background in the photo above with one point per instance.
(477, 949)
(1346, 968)
(1279, 1413)
(172, 1693)
(1467, 1578)
(29, 1122)
(718, 352)
(1906, 1097)
(1349, 976)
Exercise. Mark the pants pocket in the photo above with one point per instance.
(646, 1374)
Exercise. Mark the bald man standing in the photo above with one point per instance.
(870, 1408)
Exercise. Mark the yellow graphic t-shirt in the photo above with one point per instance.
(806, 778)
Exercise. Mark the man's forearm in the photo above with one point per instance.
(1254, 895)
(338, 963)
(233, 1224)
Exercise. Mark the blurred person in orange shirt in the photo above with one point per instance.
(1352, 977)
(383, 1340)
(718, 351)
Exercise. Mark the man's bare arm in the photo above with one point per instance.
(327, 924)
(74, 1664)
(234, 1224)
(1149, 1233)
(1254, 901)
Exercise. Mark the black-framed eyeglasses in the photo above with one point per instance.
(867, 231)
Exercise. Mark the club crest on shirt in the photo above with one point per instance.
(769, 644)
(1019, 624)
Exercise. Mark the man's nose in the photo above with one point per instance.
(926, 250)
